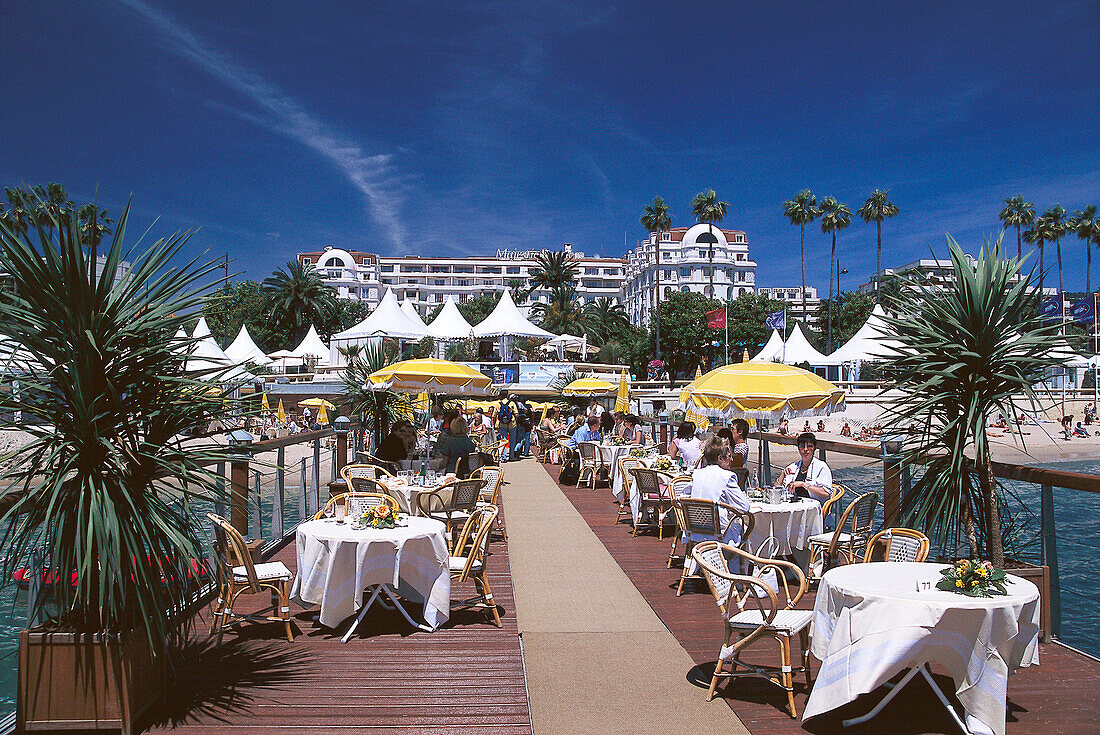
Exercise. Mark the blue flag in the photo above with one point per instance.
(777, 320)
(1051, 309)
(1084, 311)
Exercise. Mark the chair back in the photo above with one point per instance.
(473, 540)
(491, 480)
(370, 459)
(357, 502)
(736, 593)
(742, 474)
(863, 513)
(466, 494)
(472, 462)
(370, 471)
(699, 516)
(588, 451)
(366, 485)
(232, 552)
(626, 464)
(830, 506)
(899, 544)
(649, 482)
(399, 497)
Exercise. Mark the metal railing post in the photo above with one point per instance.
(280, 495)
(316, 473)
(1049, 549)
(332, 467)
(219, 484)
(257, 519)
(765, 460)
(303, 498)
(34, 589)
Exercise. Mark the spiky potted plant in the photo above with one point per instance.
(101, 490)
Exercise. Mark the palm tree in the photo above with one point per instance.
(706, 208)
(877, 208)
(298, 296)
(1017, 213)
(380, 409)
(554, 269)
(801, 211)
(968, 352)
(1087, 226)
(605, 318)
(835, 216)
(563, 313)
(1055, 227)
(657, 220)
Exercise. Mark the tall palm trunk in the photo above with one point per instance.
(1042, 274)
(1061, 281)
(1019, 244)
(832, 267)
(878, 261)
(802, 246)
(1088, 267)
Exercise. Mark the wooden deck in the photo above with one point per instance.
(465, 678)
(1057, 697)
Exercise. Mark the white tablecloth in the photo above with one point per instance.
(610, 456)
(411, 492)
(791, 524)
(870, 623)
(336, 563)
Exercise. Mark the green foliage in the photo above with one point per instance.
(968, 353)
(379, 409)
(849, 310)
(49, 207)
(555, 269)
(462, 350)
(1086, 224)
(298, 298)
(605, 319)
(746, 317)
(244, 303)
(563, 314)
(1017, 213)
(424, 347)
(104, 483)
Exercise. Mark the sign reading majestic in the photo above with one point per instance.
(519, 254)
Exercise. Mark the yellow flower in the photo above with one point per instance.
(982, 572)
(958, 583)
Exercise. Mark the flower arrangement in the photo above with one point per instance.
(638, 452)
(379, 516)
(661, 464)
(973, 578)
(614, 440)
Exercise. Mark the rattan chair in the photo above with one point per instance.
(492, 480)
(455, 511)
(826, 548)
(752, 609)
(828, 508)
(369, 471)
(370, 459)
(899, 544)
(546, 442)
(626, 464)
(651, 496)
(675, 490)
(357, 502)
(496, 451)
(699, 517)
(238, 575)
(470, 557)
(590, 460)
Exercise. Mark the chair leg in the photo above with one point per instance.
(787, 676)
(804, 635)
(714, 679)
(672, 551)
(482, 583)
(284, 609)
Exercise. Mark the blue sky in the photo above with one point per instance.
(458, 128)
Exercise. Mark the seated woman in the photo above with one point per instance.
(846, 430)
(685, 444)
(808, 474)
(395, 447)
(716, 481)
(550, 421)
(456, 446)
(820, 426)
(607, 424)
(632, 434)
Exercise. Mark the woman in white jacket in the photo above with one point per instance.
(716, 481)
(809, 474)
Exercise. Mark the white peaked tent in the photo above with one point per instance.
(772, 351)
(312, 346)
(202, 329)
(507, 321)
(388, 320)
(206, 357)
(182, 341)
(412, 313)
(449, 323)
(869, 344)
(244, 350)
(798, 350)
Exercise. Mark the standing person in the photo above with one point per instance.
(305, 416)
(685, 444)
(594, 408)
(435, 423)
(808, 474)
(522, 446)
(506, 425)
(740, 442)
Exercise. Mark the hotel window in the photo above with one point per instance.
(489, 269)
(387, 281)
(591, 271)
(464, 269)
(437, 298)
(366, 261)
(439, 282)
(666, 236)
(307, 261)
(512, 270)
(413, 268)
(441, 269)
(387, 269)
(463, 282)
(685, 272)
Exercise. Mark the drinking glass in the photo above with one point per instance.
(330, 509)
(341, 512)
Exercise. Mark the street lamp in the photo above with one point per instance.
(241, 440)
(830, 330)
(342, 425)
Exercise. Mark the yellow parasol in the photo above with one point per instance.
(282, 412)
(322, 415)
(316, 403)
(761, 390)
(622, 399)
(422, 402)
(264, 404)
(428, 375)
(588, 387)
(701, 422)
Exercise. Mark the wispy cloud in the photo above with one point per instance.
(375, 175)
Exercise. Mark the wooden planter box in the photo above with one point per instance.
(1040, 577)
(75, 681)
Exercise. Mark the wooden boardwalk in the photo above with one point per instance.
(1055, 698)
(465, 678)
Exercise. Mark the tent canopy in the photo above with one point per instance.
(506, 320)
(870, 343)
(449, 323)
(388, 320)
(312, 346)
(773, 350)
(411, 312)
(207, 358)
(798, 350)
(244, 350)
(202, 329)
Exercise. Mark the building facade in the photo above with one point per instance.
(427, 281)
(938, 274)
(791, 296)
(698, 259)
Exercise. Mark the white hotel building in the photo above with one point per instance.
(427, 281)
(687, 265)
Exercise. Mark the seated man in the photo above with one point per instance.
(1080, 430)
(808, 476)
(589, 432)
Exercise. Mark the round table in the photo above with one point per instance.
(410, 493)
(610, 454)
(337, 562)
(871, 621)
(790, 524)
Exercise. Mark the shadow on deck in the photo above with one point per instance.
(1055, 697)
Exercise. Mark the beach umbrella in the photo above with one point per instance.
(428, 375)
(423, 402)
(282, 412)
(761, 390)
(264, 404)
(316, 403)
(622, 399)
(702, 423)
(588, 387)
(322, 414)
